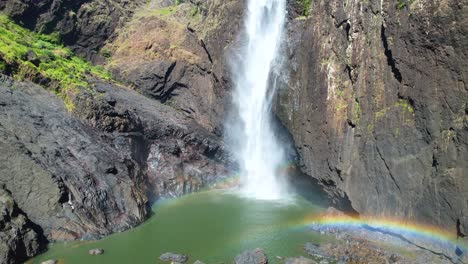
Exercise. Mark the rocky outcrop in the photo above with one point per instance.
(60, 172)
(92, 174)
(176, 155)
(83, 25)
(176, 54)
(375, 97)
(20, 239)
(256, 256)
(173, 257)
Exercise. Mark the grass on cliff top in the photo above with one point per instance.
(36, 57)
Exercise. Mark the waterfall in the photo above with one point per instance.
(257, 149)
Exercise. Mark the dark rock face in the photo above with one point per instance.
(256, 256)
(176, 155)
(92, 174)
(89, 173)
(60, 172)
(19, 238)
(83, 25)
(376, 101)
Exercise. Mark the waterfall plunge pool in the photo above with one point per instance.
(212, 226)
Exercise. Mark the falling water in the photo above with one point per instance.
(258, 151)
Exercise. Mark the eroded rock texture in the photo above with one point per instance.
(19, 238)
(60, 172)
(376, 100)
(92, 174)
(176, 54)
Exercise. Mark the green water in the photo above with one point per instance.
(210, 226)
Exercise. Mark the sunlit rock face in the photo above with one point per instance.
(375, 98)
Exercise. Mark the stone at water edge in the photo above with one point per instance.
(96, 251)
(315, 250)
(256, 256)
(299, 260)
(174, 257)
(50, 261)
(198, 262)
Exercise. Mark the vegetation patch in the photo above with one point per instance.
(42, 59)
(404, 105)
(305, 4)
(400, 4)
(166, 11)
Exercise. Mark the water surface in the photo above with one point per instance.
(212, 226)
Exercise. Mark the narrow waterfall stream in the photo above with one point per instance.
(257, 149)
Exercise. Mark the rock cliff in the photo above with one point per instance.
(373, 94)
(375, 97)
(88, 160)
(19, 238)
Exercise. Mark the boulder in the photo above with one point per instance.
(50, 261)
(256, 256)
(96, 251)
(173, 257)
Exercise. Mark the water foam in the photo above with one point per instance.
(257, 149)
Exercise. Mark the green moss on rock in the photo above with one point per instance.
(43, 59)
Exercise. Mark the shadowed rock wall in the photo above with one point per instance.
(375, 97)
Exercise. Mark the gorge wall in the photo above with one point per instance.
(372, 93)
(376, 101)
(89, 160)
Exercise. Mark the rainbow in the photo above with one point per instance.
(403, 229)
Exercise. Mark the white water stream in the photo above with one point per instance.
(258, 151)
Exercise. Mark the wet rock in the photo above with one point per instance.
(20, 239)
(96, 251)
(180, 155)
(198, 262)
(299, 260)
(174, 257)
(314, 249)
(256, 256)
(50, 261)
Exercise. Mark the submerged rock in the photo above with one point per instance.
(299, 260)
(314, 249)
(256, 256)
(96, 251)
(198, 262)
(50, 261)
(174, 257)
